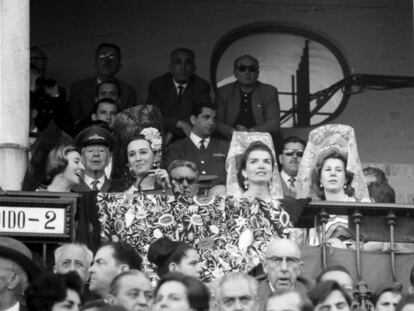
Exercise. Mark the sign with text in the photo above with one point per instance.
(32, 220)
(45, 217)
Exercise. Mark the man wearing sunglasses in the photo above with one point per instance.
(290, 159)
(184, 177)
(107, 64)
(247, 104)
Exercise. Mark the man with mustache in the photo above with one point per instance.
(292, 152)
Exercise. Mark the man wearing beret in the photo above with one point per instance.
(95, 143)
(16, 268)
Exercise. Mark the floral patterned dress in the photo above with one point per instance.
(229, 233)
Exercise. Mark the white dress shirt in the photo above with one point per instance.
(197, 140)
(184, 85)
(89, 181)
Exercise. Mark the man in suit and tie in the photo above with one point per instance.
(208, 153)
(95, 143)
(292, 152)
(177, 91)
(107, 63)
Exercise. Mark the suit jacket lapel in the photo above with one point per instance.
(234, 106)
(256, 106)
(105, 186)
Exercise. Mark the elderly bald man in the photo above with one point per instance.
(282, 265)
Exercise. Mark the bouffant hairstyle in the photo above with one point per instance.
(49, 289)
(334, 154)
(256, 145)
(57, 160)
(322, 290)
(198, 295)
(164, 251)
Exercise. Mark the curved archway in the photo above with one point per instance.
(294, 59)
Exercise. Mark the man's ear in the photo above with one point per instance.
(111, 299)
(93, 117)
(192, 120)
(264, 265)
(172, 267)
(124, 268)
(301, 267)
(281, 158)
(14, 281)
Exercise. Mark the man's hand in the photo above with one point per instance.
(52, 91)
(241, 128)
(185, 127)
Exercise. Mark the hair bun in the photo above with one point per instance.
(160, 250)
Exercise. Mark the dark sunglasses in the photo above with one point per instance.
(251, 68)
(291, 152)
(189, 180)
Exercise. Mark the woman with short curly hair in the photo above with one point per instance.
(64, 169)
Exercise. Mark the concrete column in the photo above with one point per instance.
(14, 92)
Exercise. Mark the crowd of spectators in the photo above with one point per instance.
(113, 279)
(102, 142)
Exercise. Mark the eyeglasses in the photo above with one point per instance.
(107, 56)
(230, 301)
(243, 68)
(290, 261)
(189, 180)
(291, 152)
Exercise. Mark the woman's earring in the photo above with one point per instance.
(132, 173)
(270, 183)
(321, 185)
(246, 183)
